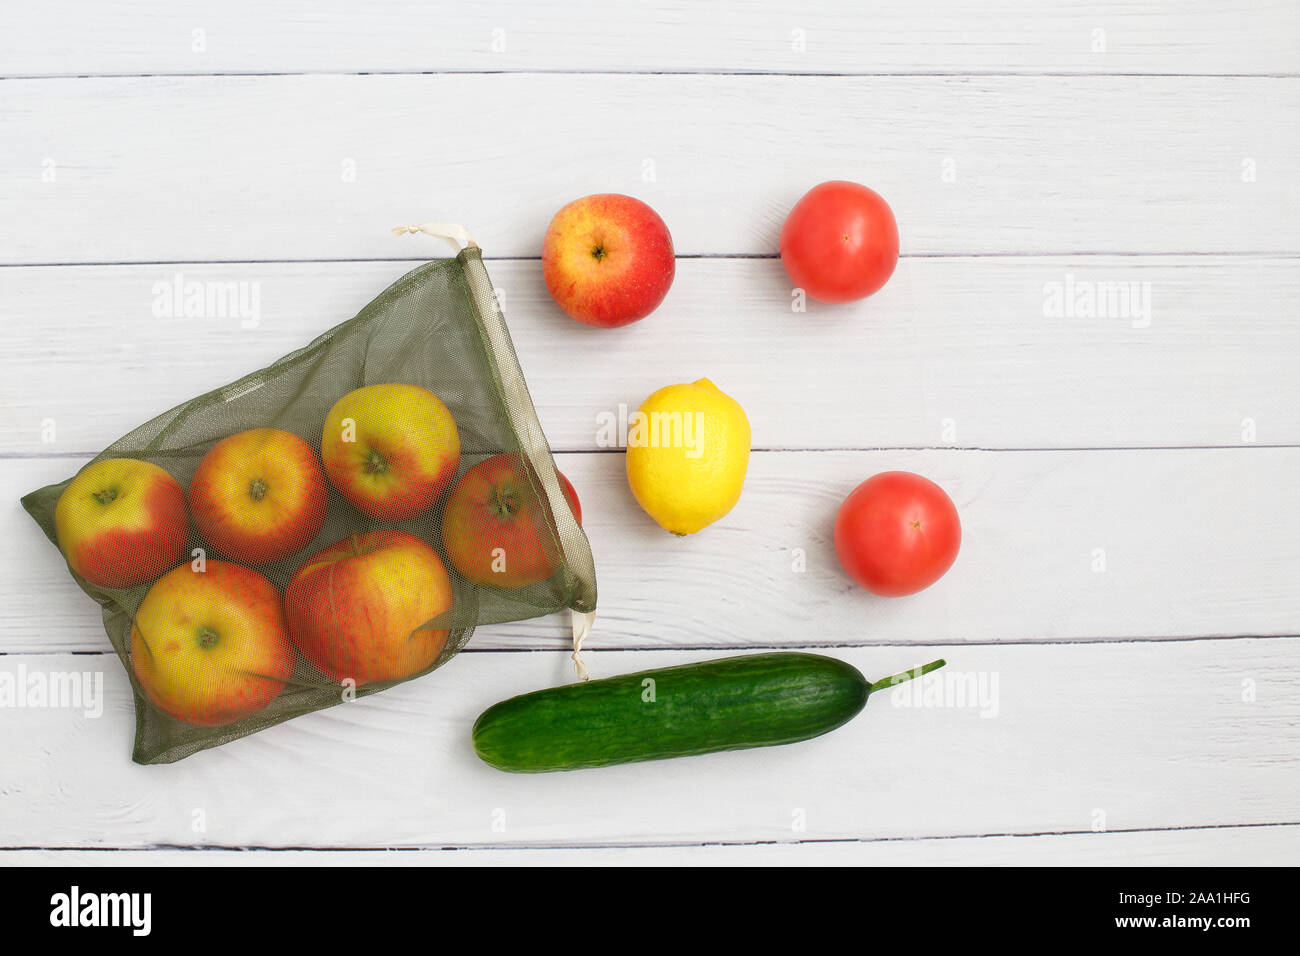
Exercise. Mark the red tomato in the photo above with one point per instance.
(840, 242)
(897, 533)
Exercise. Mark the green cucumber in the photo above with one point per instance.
(759, 700)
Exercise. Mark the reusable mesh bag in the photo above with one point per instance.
(207, 660)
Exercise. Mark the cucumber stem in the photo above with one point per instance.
(906, 676)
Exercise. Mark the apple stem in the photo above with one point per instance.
(505, 502)
(356, 544)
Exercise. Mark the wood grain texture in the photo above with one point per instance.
(1226, 846)
(142, 36)
(313, 167)
(1192, 543)
(951, 352)
(1126, 736)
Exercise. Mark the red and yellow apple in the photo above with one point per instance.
(390, 449)
(357, 609)
(571, 494)
(608, 260)
(122, 522)
(495, 528)
(210, 647)
(259, 496)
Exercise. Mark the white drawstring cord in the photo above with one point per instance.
(458, 236)
(582, 623)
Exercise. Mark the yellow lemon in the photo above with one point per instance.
(687, 451)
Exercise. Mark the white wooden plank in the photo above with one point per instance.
(1190, 543)
(309, 167)
(1129, 736)
(139, 36)
(951, 352)
(1226, 846)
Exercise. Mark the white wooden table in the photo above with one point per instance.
(1127, 479)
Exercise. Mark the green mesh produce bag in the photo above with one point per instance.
(223, 633)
